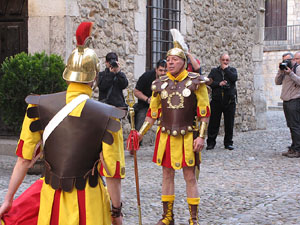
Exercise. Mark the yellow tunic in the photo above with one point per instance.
(96, 200)
(180, 147)
(113, 156)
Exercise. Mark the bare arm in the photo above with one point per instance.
(16, 179)
(141, 96)
(194, 62)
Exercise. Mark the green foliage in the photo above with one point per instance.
(25, 74)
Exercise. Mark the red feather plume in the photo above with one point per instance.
(83, 31)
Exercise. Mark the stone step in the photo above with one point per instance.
(275, 108)
(8, 146)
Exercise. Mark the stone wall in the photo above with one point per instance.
(114, 29)
(293, 12)
(211, 27)
(214, 27)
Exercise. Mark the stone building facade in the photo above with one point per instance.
(211, 27)
(273, 51)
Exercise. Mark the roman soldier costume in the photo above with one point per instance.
(178, 103)
(70, 128)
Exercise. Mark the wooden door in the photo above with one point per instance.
(13, 27)
(276, 20)
(13, 35)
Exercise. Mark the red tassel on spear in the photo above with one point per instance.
(133, 145)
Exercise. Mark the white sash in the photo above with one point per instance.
(63, 113)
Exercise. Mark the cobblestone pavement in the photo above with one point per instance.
(253, 184)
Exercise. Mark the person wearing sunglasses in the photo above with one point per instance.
(223, 100)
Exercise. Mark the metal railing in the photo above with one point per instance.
(282, 35)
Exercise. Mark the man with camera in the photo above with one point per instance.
(289, 77)
(223, 100)
(111, 83)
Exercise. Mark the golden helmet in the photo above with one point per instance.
(180, 46)
(177, 52)
(83, 63)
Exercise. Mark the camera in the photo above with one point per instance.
(113, 63)
(226, 86)
(285, 64)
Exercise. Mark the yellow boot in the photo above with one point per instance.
(193, 208)
(167, 216)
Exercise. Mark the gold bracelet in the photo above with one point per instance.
(203, 128)
(145, 127)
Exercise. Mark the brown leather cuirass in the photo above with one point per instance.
(72, 150)
(179, 103)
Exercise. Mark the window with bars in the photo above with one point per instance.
(162, 15)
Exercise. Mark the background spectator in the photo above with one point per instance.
(289, 77)
(112, 82)
(143, 91)
(223, 101)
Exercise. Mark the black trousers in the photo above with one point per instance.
(140, 116)
(217, 108)
(292, 115)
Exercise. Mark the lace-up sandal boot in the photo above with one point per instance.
(193, 208)
(167, 216)
(117, 216)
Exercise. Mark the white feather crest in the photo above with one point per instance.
(177, 36)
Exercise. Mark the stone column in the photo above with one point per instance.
(50, 27)
(257, 52)
(140, 27)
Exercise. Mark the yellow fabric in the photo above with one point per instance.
(2, 223)
(193, 201)
(114, 153)
(167, 198)
(75, 89)
(30, 138)
(202, 100)
(92, 206)
(177, 143)
(96, 199)
(68, 206)
(180, 77)
(47, 197)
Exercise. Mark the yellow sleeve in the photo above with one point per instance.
(155, 105)
(28, 139)
(203, 107)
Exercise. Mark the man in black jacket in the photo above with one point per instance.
(143, 91)
(223, 100)
(112, 82)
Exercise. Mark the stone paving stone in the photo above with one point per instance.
(253, 184)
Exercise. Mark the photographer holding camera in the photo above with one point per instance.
(112, 82)
(223, 100)
(289, 77)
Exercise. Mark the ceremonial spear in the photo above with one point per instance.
(133, 145)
